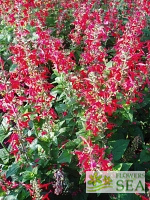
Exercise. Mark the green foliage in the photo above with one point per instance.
(118, 148)
(53, 150)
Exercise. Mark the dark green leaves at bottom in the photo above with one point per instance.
(122, 166)
(144, 156)
(12, 169)
(65, 157)
(118, 148)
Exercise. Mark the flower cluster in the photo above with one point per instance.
(94, 51)
(91, 158)
(104, 77)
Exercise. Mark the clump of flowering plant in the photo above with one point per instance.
(74, 84)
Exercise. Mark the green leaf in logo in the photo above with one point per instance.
(94, 179)
(107, 180)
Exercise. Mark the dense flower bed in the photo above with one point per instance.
(74, 95)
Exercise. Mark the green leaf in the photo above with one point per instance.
(146, 35)
(4, 155)
(3, 134)
(136, 131)
(27, 175)
(148, 175)
(44, 145)
(9, 38)
(34, 36)
(126, 166)
(119, 147)
(144, 156)
(38, 124)
(33, 145)
(2, 193)
(65, 157)
(128, 197)
(10, 197)
(61, 108)
(117, 167)
(82, 178)
(51, 21)
(2, 37)
(35, 170)
(5, 123)
(122, 166)
(72, 144)
(139, 167)
(12, 169)
(109, 64)
(98, 194)
(62, 130)
(12, 68)
(119, 95)
(22, 194)
(128, 114)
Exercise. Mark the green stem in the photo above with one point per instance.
(5, 131)
(5, 147)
